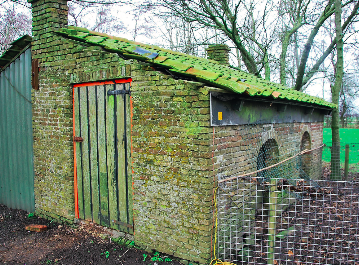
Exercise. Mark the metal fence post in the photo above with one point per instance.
(346, 166)
(272, 222)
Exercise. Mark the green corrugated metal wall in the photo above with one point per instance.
(16, 149)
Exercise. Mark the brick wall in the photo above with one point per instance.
(170, 142)
(173, 183)
(236, 150)
(61, 62)
(237, 147)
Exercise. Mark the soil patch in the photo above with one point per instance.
(63, 244)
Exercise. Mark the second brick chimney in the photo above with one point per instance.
(219, 53)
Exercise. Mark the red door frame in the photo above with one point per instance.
(117, 81)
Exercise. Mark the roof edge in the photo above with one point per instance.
(17, 47)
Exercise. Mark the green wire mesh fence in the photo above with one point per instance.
(346, 150)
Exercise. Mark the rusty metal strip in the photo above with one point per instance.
(35, 74)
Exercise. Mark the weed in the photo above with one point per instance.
(124, 242)
(158, 258)
(30, 216)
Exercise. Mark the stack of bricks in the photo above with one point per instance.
(219, 53)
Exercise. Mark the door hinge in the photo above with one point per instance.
(118, 92)
(78, 139)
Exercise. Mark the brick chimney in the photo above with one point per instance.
(219, 53)
(47, 16)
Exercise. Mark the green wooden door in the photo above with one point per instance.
(102, 149)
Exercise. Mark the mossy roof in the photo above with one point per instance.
(200, 69)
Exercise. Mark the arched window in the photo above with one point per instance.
(267, 156)
(306, 159)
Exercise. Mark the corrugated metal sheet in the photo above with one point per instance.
(16, 149)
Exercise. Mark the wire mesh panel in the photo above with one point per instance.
(278, 215)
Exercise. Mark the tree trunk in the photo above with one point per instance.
(266, 67)
(335, 155)
(282, 60)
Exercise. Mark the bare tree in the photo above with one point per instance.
(293, 16)
(15, 18)
(187, 37)
(253, 25)
(13, 24)
(348, 94)
(97, 16)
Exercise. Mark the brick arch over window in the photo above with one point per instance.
(306, 159)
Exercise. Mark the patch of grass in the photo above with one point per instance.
(347, 136)
(124, 242)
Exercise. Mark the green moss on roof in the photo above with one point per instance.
(200, 69)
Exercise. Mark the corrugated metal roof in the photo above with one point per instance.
(14, 51)
(203, 70)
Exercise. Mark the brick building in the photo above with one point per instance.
(135, 137)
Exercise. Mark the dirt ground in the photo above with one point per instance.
(63, 244)
(82, 244)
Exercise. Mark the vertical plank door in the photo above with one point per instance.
(101, 112)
